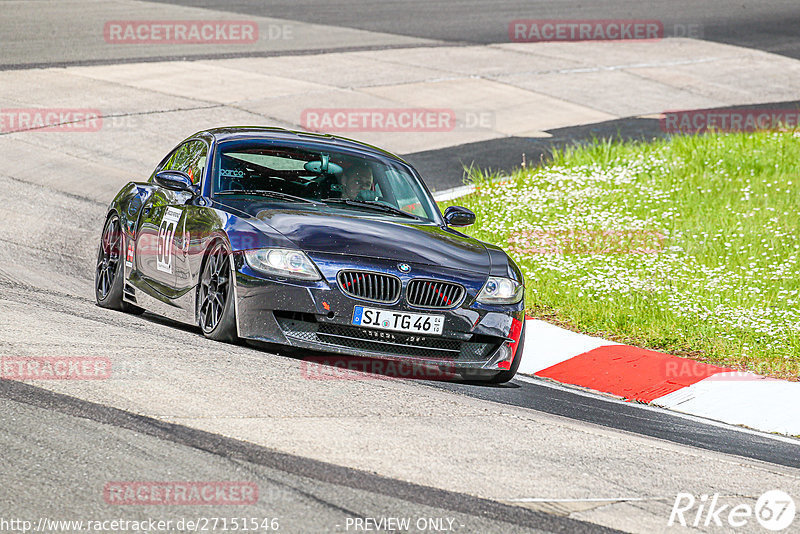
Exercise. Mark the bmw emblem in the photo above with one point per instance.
(404, 267)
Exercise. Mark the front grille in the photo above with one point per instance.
(434, 294)
(375, 287)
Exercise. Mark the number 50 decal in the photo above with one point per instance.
(166, 232)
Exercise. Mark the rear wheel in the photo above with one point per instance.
(217, 315)
(108, 276)
(505, 376)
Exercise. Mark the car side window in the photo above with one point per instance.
(407, 199)
(164, 165)
(189, 158)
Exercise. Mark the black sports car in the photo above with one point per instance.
(315, 242)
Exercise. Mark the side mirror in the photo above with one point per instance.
(459, 216)
(175, 181)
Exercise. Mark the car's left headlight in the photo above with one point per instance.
(498, 290)
(281, 262)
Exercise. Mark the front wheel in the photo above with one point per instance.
(217, 315)
(108, 274)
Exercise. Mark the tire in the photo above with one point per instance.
(108, 273)
(216, 313)
(505, 376)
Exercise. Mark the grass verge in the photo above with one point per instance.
(688, 245)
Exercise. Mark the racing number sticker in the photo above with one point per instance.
(166, 232)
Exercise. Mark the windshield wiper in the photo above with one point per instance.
(372, 204)
(274, 194)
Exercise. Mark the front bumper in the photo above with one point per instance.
(318, 316)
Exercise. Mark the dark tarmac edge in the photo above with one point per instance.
(248, 452)
(220, 55)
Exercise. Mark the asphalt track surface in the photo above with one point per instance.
(49, 431)
(769, 25)
(57, 447)
(540, 395)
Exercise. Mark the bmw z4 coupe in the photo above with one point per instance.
(314, 242)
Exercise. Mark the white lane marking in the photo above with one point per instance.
(602, 499)
(631, 66)
(688, 417)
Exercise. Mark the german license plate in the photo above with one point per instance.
(415, 323)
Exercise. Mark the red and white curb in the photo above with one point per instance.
(671, 382)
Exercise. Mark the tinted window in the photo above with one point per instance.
(189, 158)
(319, 173)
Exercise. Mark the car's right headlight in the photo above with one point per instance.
(281, 262)
(499, 290)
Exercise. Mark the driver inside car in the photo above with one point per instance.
(357, 183)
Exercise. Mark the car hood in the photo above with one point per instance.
(333, 231)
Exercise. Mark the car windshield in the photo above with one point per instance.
(312, 174)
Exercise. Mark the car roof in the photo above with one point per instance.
(232, 133)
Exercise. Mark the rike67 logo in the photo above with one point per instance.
(774, 510)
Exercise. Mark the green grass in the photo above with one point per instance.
(688, 245)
